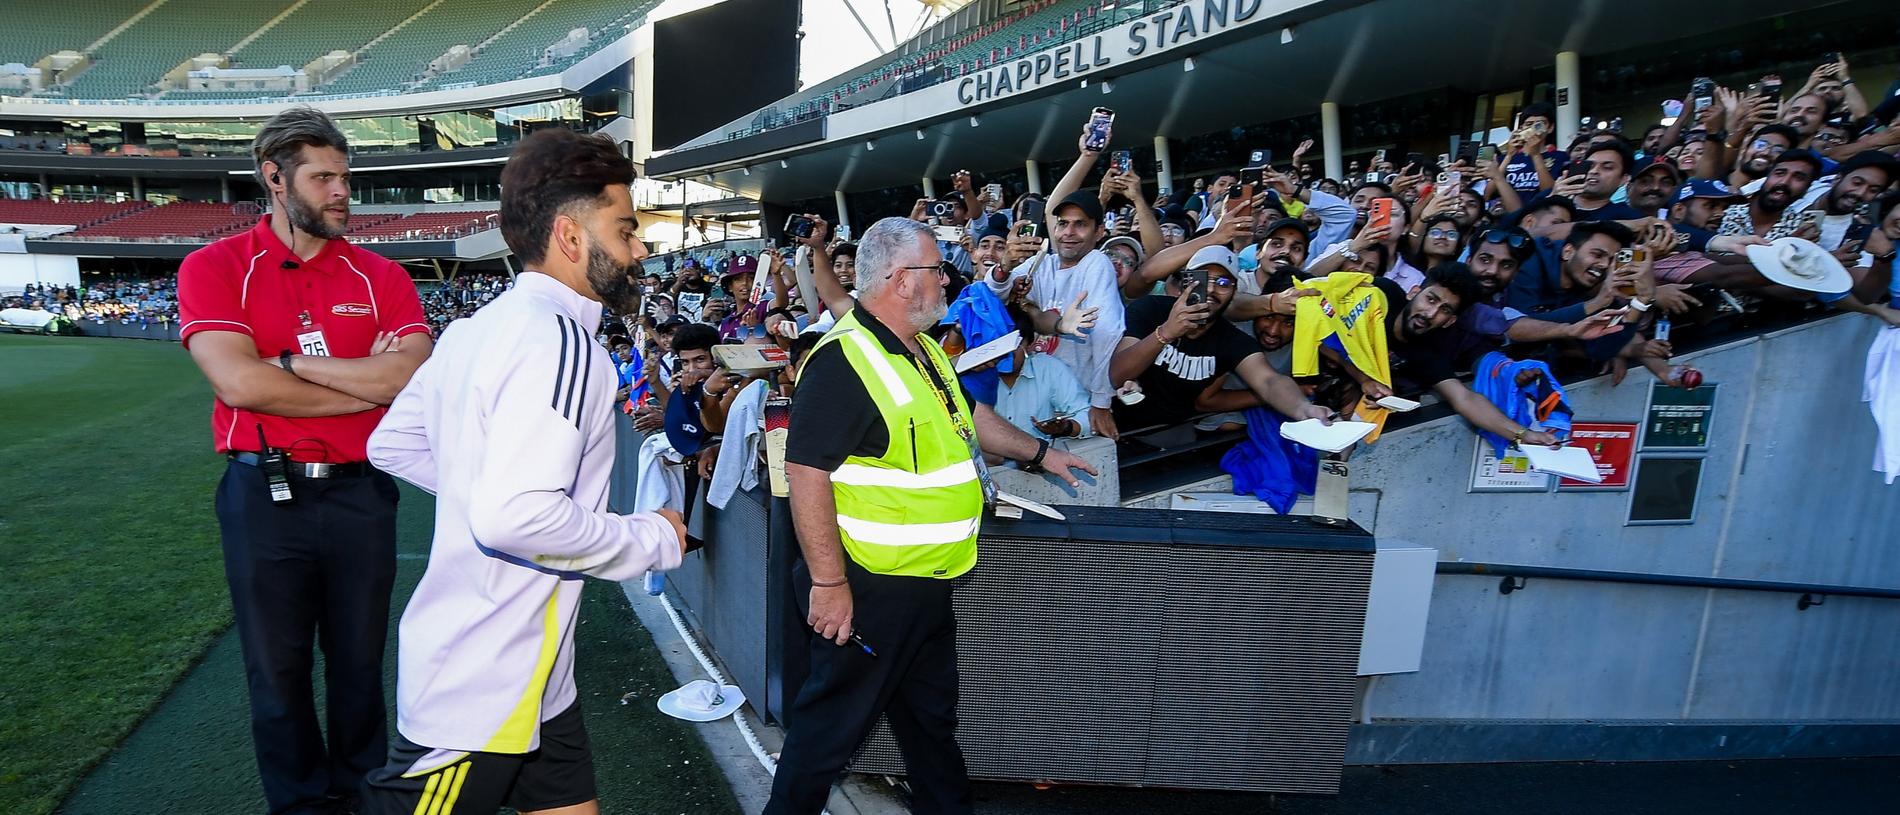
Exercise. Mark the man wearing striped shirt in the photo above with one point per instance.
(511, 426)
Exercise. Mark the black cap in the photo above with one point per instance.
(1090, 204)
(997, 226)
(1559, 201)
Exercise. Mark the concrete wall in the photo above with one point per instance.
(1787, 494)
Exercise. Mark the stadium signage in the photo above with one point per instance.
(1156, 32)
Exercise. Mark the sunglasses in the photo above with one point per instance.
(1515, 240)
(747, 332)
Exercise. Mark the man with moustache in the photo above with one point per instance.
(1770, 213)
(1653, 184)
(1758, 154)
(305, 338)
(511, 426)
(887, 490)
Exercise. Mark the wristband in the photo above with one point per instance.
(1034, 464)
(284, 360)
(1639, 305)
(840, 582)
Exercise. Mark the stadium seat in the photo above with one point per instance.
(137, 57)
(79, 214)
(519, 51)
(425, 226)
(184, 219)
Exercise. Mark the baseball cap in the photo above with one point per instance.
(670, 323)
(1215, 256)
(1141, 255)
(1705, 188)
(996, 227)
(1647, 163)
(742, 265)
(1090, 204)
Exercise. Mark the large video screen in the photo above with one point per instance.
(717, 64)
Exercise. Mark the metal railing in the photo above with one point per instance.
(1513, 577)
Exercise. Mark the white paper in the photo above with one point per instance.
(1569, 462)
(1329, 438)
(1040, 509)
(1398, 403)
(994, 349)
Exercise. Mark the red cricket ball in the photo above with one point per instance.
(1691, 378)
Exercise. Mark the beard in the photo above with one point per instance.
(1769, 202)
(612, 282)
(307, 218)
(924, 315)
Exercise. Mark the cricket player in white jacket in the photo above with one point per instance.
(510, 425)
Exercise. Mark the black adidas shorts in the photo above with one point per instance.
(443, 782)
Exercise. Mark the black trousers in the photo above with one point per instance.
(912, 681)
(314, 571)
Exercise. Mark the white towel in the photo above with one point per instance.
(738, 464)
(662, 478)
(1882, 393)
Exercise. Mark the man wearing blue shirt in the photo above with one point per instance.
(1042, 397)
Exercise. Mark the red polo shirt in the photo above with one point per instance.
(252, 284)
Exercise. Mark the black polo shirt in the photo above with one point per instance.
(833, 415)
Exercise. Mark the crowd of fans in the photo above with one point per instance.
(1486, 278)
(117, 300)
(459, 297)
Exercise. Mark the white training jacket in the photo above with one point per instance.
(510, 424)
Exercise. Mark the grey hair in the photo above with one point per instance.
(879, 248)
(282, 139)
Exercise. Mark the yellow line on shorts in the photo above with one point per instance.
(455, 790)
(428, 791)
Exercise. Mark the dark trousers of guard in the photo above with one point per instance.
(315, 571)
(912, 681)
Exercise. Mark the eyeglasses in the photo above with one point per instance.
(1515, 240)
(1772, 148)
(1833, 137)
(1447, 234)
(945, 270)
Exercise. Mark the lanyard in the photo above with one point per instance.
(928, 368)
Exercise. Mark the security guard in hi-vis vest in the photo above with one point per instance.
(884, 458)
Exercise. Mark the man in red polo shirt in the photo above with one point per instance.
(305, 339)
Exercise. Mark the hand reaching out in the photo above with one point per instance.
(1075, 319)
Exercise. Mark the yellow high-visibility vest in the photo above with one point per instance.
(914, 511)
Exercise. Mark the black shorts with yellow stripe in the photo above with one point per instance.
(420, 780)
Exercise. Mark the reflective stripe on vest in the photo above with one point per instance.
(914, 510)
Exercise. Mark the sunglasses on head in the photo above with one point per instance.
(1515, 240)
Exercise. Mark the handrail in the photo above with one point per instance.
(1808, 591)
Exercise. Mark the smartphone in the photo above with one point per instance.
(1453, 178)
(948, 234)
(1487, 152)
(1771, 87)
(1246, 195)
(1811, 218)
(1638, 254)
(1121, 161)
(1468, 152)
(1625, 257)
(1379, 213)
(1830, 57)
(1026, 228)
(798, 226)
(1378, 158)
(1197, 287)
(1444, 160)
(1703, 91)
(943, 208)
(1101, 120)
(1538, 127)
(1033, 211)
(994, 192)
(1414, 160)
(1259, 159)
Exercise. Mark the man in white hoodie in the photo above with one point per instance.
(510, 425)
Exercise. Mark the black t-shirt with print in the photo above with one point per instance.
(1182, 369)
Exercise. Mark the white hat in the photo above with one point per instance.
(1799, 263)
(1215, 256)
(702, 700)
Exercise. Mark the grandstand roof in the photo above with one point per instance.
(1244, 75)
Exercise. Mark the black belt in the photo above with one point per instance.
(312, 469)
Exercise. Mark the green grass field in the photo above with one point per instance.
(122, 690)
